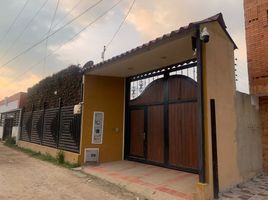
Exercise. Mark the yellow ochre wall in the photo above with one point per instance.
(219, 84)
(104, 94)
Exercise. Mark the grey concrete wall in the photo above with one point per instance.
(15, 132)
(1, 132)
(248, 136)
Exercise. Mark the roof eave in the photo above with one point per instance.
(176, 34)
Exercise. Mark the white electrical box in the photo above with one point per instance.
(92, 155)
(77, 109)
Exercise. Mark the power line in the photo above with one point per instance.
(25, 28)
(117, 31)
(62, 18)
(14, 21)
(51, 34)
(52, 21)
(69, 40)
(68, 13)
(121, 24)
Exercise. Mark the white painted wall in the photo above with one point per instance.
(9, 106)
(1, 132)
(15, 132)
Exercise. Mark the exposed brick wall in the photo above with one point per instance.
(256, 23)
(264, 119)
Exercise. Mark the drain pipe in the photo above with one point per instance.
(201, 135)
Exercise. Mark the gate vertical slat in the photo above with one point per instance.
(78, 130)
(31, 117)
(50, 127)
(36, 126)
(42, 126)
(59, 123)
(21, 122)
(166, 119)
(70, 130)
(26, 123)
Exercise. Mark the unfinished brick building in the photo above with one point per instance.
(256, 23)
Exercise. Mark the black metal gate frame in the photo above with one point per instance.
(201, 136)
(166, 72)
(200, 99)
(58, 128)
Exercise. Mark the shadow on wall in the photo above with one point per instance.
(248, 136)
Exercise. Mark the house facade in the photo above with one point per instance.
(256, 24)
(172, 103)
(10, 115)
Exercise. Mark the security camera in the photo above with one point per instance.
(204, 35)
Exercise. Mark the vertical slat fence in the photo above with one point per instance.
(54, 127)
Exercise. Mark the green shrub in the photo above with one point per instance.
(60, 157)
(59, 160)
(10, 141)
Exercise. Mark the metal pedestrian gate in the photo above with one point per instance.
(8, 125)
(53, 127)
(162, 118)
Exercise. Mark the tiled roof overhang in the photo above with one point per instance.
(163, 39)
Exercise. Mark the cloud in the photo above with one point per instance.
(153, 20)
(147, 20)
(8, 86)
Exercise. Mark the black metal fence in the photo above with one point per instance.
(55, 127)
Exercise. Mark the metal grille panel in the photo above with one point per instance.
(55, 127)
(36, 132)
(26, 126)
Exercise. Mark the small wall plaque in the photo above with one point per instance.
(97, 130)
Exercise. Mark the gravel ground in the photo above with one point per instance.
(26, 178)
(255, 189)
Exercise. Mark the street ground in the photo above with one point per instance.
(255, 189)
(25, 178)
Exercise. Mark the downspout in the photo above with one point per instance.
(82, 101)
(201, 130)
(20, 124)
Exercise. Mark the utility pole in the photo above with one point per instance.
(103, 53)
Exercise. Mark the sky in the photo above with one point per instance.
(147, 20)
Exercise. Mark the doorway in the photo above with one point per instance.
(8, 124)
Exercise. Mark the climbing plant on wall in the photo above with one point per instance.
(65, 84)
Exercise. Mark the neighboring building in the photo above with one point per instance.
(10, 114)
(256, 23)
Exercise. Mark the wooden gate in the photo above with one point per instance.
(162, 122)
(8, 128)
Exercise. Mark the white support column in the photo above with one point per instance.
(1, 132)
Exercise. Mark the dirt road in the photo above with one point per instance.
(26, 178)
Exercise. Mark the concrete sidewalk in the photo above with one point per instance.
(153, 182)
